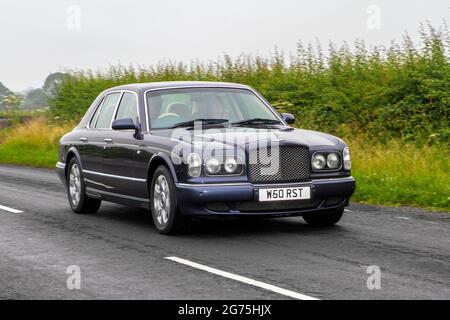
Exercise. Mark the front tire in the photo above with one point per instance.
(324, 219)
(78, 200)
(163, 203)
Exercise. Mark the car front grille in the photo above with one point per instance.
(279, 164)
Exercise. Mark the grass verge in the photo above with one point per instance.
(34, 143)
(389, 174)
(401, 174)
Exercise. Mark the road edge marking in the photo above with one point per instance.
(10, 209)
(242, 279)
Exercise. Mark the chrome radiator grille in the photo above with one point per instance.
(288, 164)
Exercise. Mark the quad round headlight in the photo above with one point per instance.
(230, 165)
(319, 161)
(333, 161)
(212, 166)
(194, 165)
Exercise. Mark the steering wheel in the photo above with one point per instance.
(168, 114)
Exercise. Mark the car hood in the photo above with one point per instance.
(244, 136)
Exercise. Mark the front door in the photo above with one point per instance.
(120, 152)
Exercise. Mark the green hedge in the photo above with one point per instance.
(400, 91)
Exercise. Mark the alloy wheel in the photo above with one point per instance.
(161, 200)
(75, 185)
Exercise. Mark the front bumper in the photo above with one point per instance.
(61, 172)
(242, 198)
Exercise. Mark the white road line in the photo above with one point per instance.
(404, 218)
(10, 209)
(246, 280)
(347, 210)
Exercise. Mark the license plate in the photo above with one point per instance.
(281, 194)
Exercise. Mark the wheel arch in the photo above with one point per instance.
(72, 152)
(156, 160)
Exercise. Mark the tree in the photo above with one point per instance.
(52, 81)
(36, 98)
(4, 91)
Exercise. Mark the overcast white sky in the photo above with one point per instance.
(40, 37)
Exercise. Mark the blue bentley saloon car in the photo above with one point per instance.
(184, 149)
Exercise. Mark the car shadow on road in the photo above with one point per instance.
(254, 225)
(220, 226)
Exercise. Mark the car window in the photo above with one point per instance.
(127, 107)
(251, 105)
(107, 109)
(97, 111)
(170, 107)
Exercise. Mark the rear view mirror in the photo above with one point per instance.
(289, 118)
(124, 124)
(128, 124)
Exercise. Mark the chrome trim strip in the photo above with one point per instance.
(114, 176)
(93, 190)
(223, 164)
(98, 183)
(212, 184)
(341, 162)
(237, 184)
(99, 105)
(210, 86)
(121, 92)
(115, 109)
(349, 178)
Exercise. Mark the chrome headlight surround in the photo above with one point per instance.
(322, 161)
(194, 163)
(223, 166)
(347, 159)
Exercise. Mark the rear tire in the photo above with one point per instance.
(76, 190)
(319, 219)
(163, 203)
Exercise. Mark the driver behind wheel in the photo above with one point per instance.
(210, 107)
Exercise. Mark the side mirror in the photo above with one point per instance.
(128, 124)
(124, 124)
(289, 118)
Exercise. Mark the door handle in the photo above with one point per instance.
(108, 140)
(83, 139)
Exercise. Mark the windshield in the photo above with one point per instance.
(177, 107)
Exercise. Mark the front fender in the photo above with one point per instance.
(161, 157)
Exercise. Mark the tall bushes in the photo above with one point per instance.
(400, 91)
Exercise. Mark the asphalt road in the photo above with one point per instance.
(121, 256)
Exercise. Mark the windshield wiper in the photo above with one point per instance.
(255, 121)
(191, 123)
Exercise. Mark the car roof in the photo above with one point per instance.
(178, 84)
